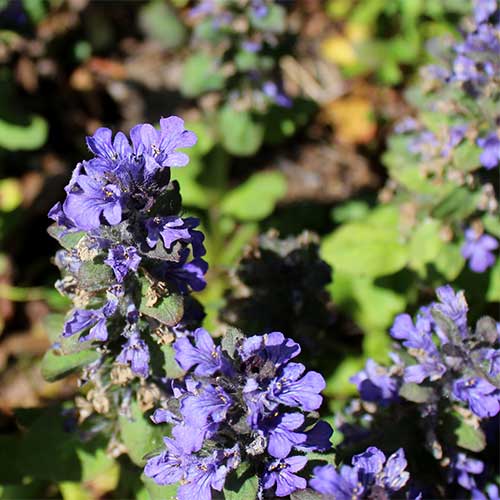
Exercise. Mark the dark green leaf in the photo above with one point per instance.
(492, 224)
(457, 205)
(241, 484)
(53, 324)
(167, 310)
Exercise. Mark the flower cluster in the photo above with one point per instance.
(448, 373)
(370, 476)
(244, 40)
(243, 403)
(128, 254)
(459, 153)
(441, 352)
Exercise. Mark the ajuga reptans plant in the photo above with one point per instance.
(244, 409)
(129, 259)
(439, 399)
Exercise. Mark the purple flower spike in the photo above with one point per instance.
(483, 9)
(88, 200)
(205, 356)
(169, 466)
(136, 354)
(395, 475)
(490, 157)
(281, 474)
(95, 319)
(369, 474)
(123, 259)
(482, 397)
(479, 250)
(170, 229)
(281, 435)
(273, 347)
(210, 403)
(159, 146)
(103, 147)
(454, 306)
(291, 390)
(375, 384)
(464, 468)
(201, 478)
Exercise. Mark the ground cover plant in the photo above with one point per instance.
(249, 250)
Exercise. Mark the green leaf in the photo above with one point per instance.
(466, 156)
(69, 240)
(492, 224)
(241, 484)
(416, 393)
(469, 437)
(350, 211)
(240, 133)
(273, 21)
(93, 277)
(53, 324)
(493, 292)
(160, 22)
(167, 310)
(425, 244)
(139, 435)
(57, 366)
(16, 137)
(171, 367)
(457, 205)
(200, 75)
(449, 262)
(363, 249)
(256, 198)
(157, 492)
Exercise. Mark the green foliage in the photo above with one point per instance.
(200, 74)
(161, 23)
(157, 492)
(256, 198)
(370, 248)
(241, 132)
(47, 451)
(416, 393)
(241, 484)
(167, 309)
(390, 36)
(25, 136)
(56, 365)
(139, 434)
